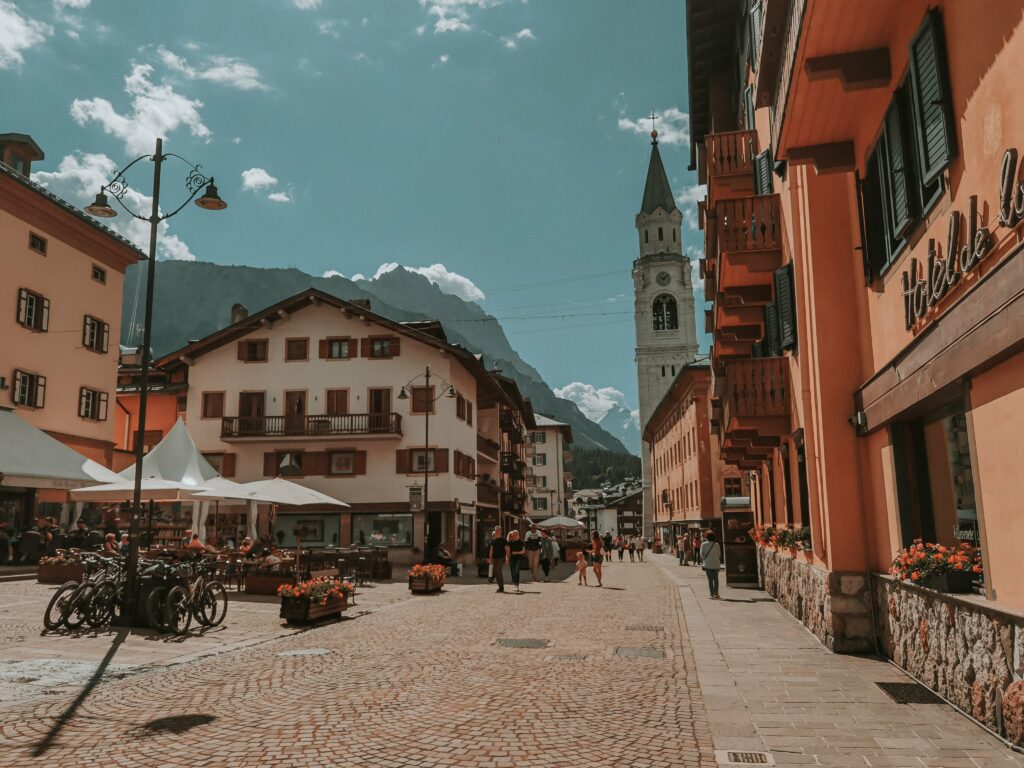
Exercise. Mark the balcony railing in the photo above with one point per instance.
(510, 462)
(730, 154)
(311, 426)
(757, 388)
(487, 494)
(749, 224)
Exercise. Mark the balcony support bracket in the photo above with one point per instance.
(856, 70)
(836, 157)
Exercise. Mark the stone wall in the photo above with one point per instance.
(971, 654)
(835, 607)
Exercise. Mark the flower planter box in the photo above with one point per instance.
(302, 610)
(265, 583)
(423, 585)
(954, 582)
(59, 573)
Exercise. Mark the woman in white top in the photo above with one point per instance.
(711, 561)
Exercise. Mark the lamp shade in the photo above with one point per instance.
(100, 207)
(211, 200)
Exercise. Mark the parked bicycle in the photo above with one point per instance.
(90, 600)
(203, 598)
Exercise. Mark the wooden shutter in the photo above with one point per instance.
(83, 402)
(785, 301)
(900, 210)
(402, 462)
(876, 251)
(101, 410)
(85, 334)
(270, 465)
(44, 317)
(365, 347)
(396, 346)
(22, 306)
(241, 350)
(105, 337)
(227, 465)
(359, 463)
(40, 391)
(16, 385)
(324, 348)
(763, 173)
(772, 347)
(469, 413)
(440, 459)
(748, 106)
(931, 100)
(315, 463)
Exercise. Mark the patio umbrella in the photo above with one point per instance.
(560, 522)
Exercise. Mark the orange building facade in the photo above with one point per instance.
(862, 232)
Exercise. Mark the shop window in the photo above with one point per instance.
(463, 534)
(382, 530)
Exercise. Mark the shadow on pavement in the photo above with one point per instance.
(177, 723)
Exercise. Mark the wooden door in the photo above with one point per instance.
(294, 412)
(251, 413)
(380, 409)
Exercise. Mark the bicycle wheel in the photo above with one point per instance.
(177, 612)
(213, 605)
(100, 608)
(155, 609)
(78, 606)
(58, 605)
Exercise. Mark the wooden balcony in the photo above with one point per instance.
(749, 248)
(737, 323)
(728, 167)
(755, 407)
(297, 427)
(487, 494)
(487, 449)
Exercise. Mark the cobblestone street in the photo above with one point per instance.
(424, 682)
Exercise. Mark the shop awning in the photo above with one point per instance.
(30, 458)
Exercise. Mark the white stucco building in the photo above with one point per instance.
(550, 483)
(666, 333)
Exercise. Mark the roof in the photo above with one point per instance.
(24, 139)
(657, 192)
(675, 391)
(31, 458)
(544, 421)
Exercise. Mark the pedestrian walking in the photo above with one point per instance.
(497, 554)
(632, 549)
(620, 545)
(532, 543)
(547, 553)
(681, 548)
(490, 570)
(711, 561)
(581, 569)
(607, 541)
(641, 545)
(687, 553)
(516, 558)
(597, 550)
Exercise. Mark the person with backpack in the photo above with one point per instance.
(711, 561)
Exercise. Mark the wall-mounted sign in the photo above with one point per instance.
(941, 273)
(416, 498)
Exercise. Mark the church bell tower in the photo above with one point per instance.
(666, 332)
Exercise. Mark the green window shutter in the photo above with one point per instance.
(897, 164)
(876, 252)
(772, 345)
(931, 100)
(748, 106)
(785, 301)
(755, 31)
(763, 173)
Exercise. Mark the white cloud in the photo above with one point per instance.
(595, 403)
(157, 110)
(79, 177)
(79, 4)
(256, 179)
(329, 28)
(365, 21)
(634, 416)
(358, 276)
(512, 41)
(687, 201)
(332, 273)
(279, 197)
(17, 34)
(307, 5)
(226, 70)
(454, 15)
(421, 30)
(443, 58)
(237, 140)
(673, 126)
(449, 282)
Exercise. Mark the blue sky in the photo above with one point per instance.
(500, 139)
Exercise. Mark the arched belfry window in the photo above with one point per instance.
(666, 318)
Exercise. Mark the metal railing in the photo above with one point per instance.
(311, 426)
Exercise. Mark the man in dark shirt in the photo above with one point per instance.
(607, 541)
(497, 553)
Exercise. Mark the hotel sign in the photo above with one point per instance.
(962, 254)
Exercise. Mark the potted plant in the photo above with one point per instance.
(426, 578)
(936, 566)
(61, 568)
(314, 599)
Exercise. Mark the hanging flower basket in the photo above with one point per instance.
(424, 579)
(936, 566)
(315, 599)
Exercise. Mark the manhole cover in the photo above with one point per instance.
(641, 653)
(305, 652)
(523, 643)
(644, 628)
(909, 693)
(728, 757)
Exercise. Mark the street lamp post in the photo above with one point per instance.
(100, 207)
(428, 404)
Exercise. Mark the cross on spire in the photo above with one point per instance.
(654, 131)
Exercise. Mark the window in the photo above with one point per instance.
(538, 437)
(95, 334)
(540, 481)
(336, 402)
(288, 463)
(29, 389)
(540, 460)
(33, 310)
(37, 243)
(296, 349)
(786, 306)
(422, 399)
(337, 348)
(460, 407)
(422, 460)
(253, 351)
(661, 233)
(469, 413)
(673, 234)
(539, 503)
(463, 534)
(647, 236)
(343, 462)
(665, 314)
(387, 530)
(213, 405)
(380, 347)
(99, 274)
(92, 404)
(733, 486)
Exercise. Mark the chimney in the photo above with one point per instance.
(18, 150)
(238, 313)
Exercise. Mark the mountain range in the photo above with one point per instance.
(193, 299)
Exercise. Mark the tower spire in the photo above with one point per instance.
(657, 191)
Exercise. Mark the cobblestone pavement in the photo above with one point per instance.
(416, 682)
(768, 685)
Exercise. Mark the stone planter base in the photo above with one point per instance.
(302, 610)
(53, 573)
(424, 585)
(265, 583)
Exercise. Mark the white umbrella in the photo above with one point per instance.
(153, 489)
(560, 522)
(276, 491)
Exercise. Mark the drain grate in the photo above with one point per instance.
(523, 643)
(305, 652)
(909, 693)
(644, 628)
(641, 653)
(728, 757)
(570, 657)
